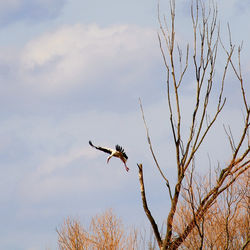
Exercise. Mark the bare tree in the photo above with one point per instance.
(205, 47)
(106, 231)
(72, 236)
(226, 223)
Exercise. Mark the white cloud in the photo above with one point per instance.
(83, 54)
(55, 163)
(49, 178)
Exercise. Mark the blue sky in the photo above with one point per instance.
(71, 71)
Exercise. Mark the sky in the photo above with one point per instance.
(72, 71)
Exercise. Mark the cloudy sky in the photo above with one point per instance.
(73, 70)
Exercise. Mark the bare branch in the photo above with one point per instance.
(230, 138)
(152, 152)
(145, 206)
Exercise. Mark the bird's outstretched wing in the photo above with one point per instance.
(120, 149)
(106, 150)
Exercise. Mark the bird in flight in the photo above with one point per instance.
(117, 152)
